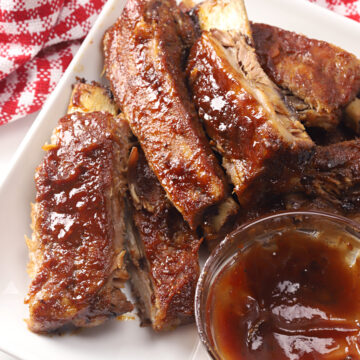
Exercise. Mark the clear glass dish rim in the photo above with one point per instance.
(222, 246)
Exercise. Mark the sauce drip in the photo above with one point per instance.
(294, 299)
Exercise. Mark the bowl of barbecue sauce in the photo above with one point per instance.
(286, 286)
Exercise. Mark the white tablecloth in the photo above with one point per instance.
(11, 136)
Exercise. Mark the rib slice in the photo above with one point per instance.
(77, 246)
(329, 182)
(163, 251)
(317, 77)
(144, 56)
(242, 111)
(333, 175)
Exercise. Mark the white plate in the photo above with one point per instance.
(115, 339)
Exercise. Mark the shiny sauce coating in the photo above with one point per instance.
(144, 57)
(295, 299)
(77, 223)
(322, 74)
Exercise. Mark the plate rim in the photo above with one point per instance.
(70, 71)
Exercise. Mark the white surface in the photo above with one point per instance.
(4, 356)
(122, 340)
(11, 136)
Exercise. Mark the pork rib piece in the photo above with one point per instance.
(144, 55)
(329, 182)
(163, 251)
(319, 78)
(242, 110)
(77, 246)
(333, 175)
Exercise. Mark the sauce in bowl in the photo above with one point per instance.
(294, 295)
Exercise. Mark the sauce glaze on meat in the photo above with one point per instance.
(76, 249)
(144, 57)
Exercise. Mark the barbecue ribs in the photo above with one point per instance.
(329, 182)
(77, 246)
(318, 78)
(333, 175)
(243, 113)
(144, 55)
(163, 250)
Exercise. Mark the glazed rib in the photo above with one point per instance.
(318, 78)
(144, 55)
(333, 175)
(244, 115)
(77, 246)
(329, 182)
(163, 251)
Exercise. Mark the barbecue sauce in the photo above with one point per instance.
(296, 298)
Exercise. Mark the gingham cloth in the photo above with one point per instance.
(38, 39)
(349, 8)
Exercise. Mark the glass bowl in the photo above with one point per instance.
(335, 230)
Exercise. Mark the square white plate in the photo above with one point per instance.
(115, 339)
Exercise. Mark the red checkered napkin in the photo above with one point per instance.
(349, 8)
(38, 39)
